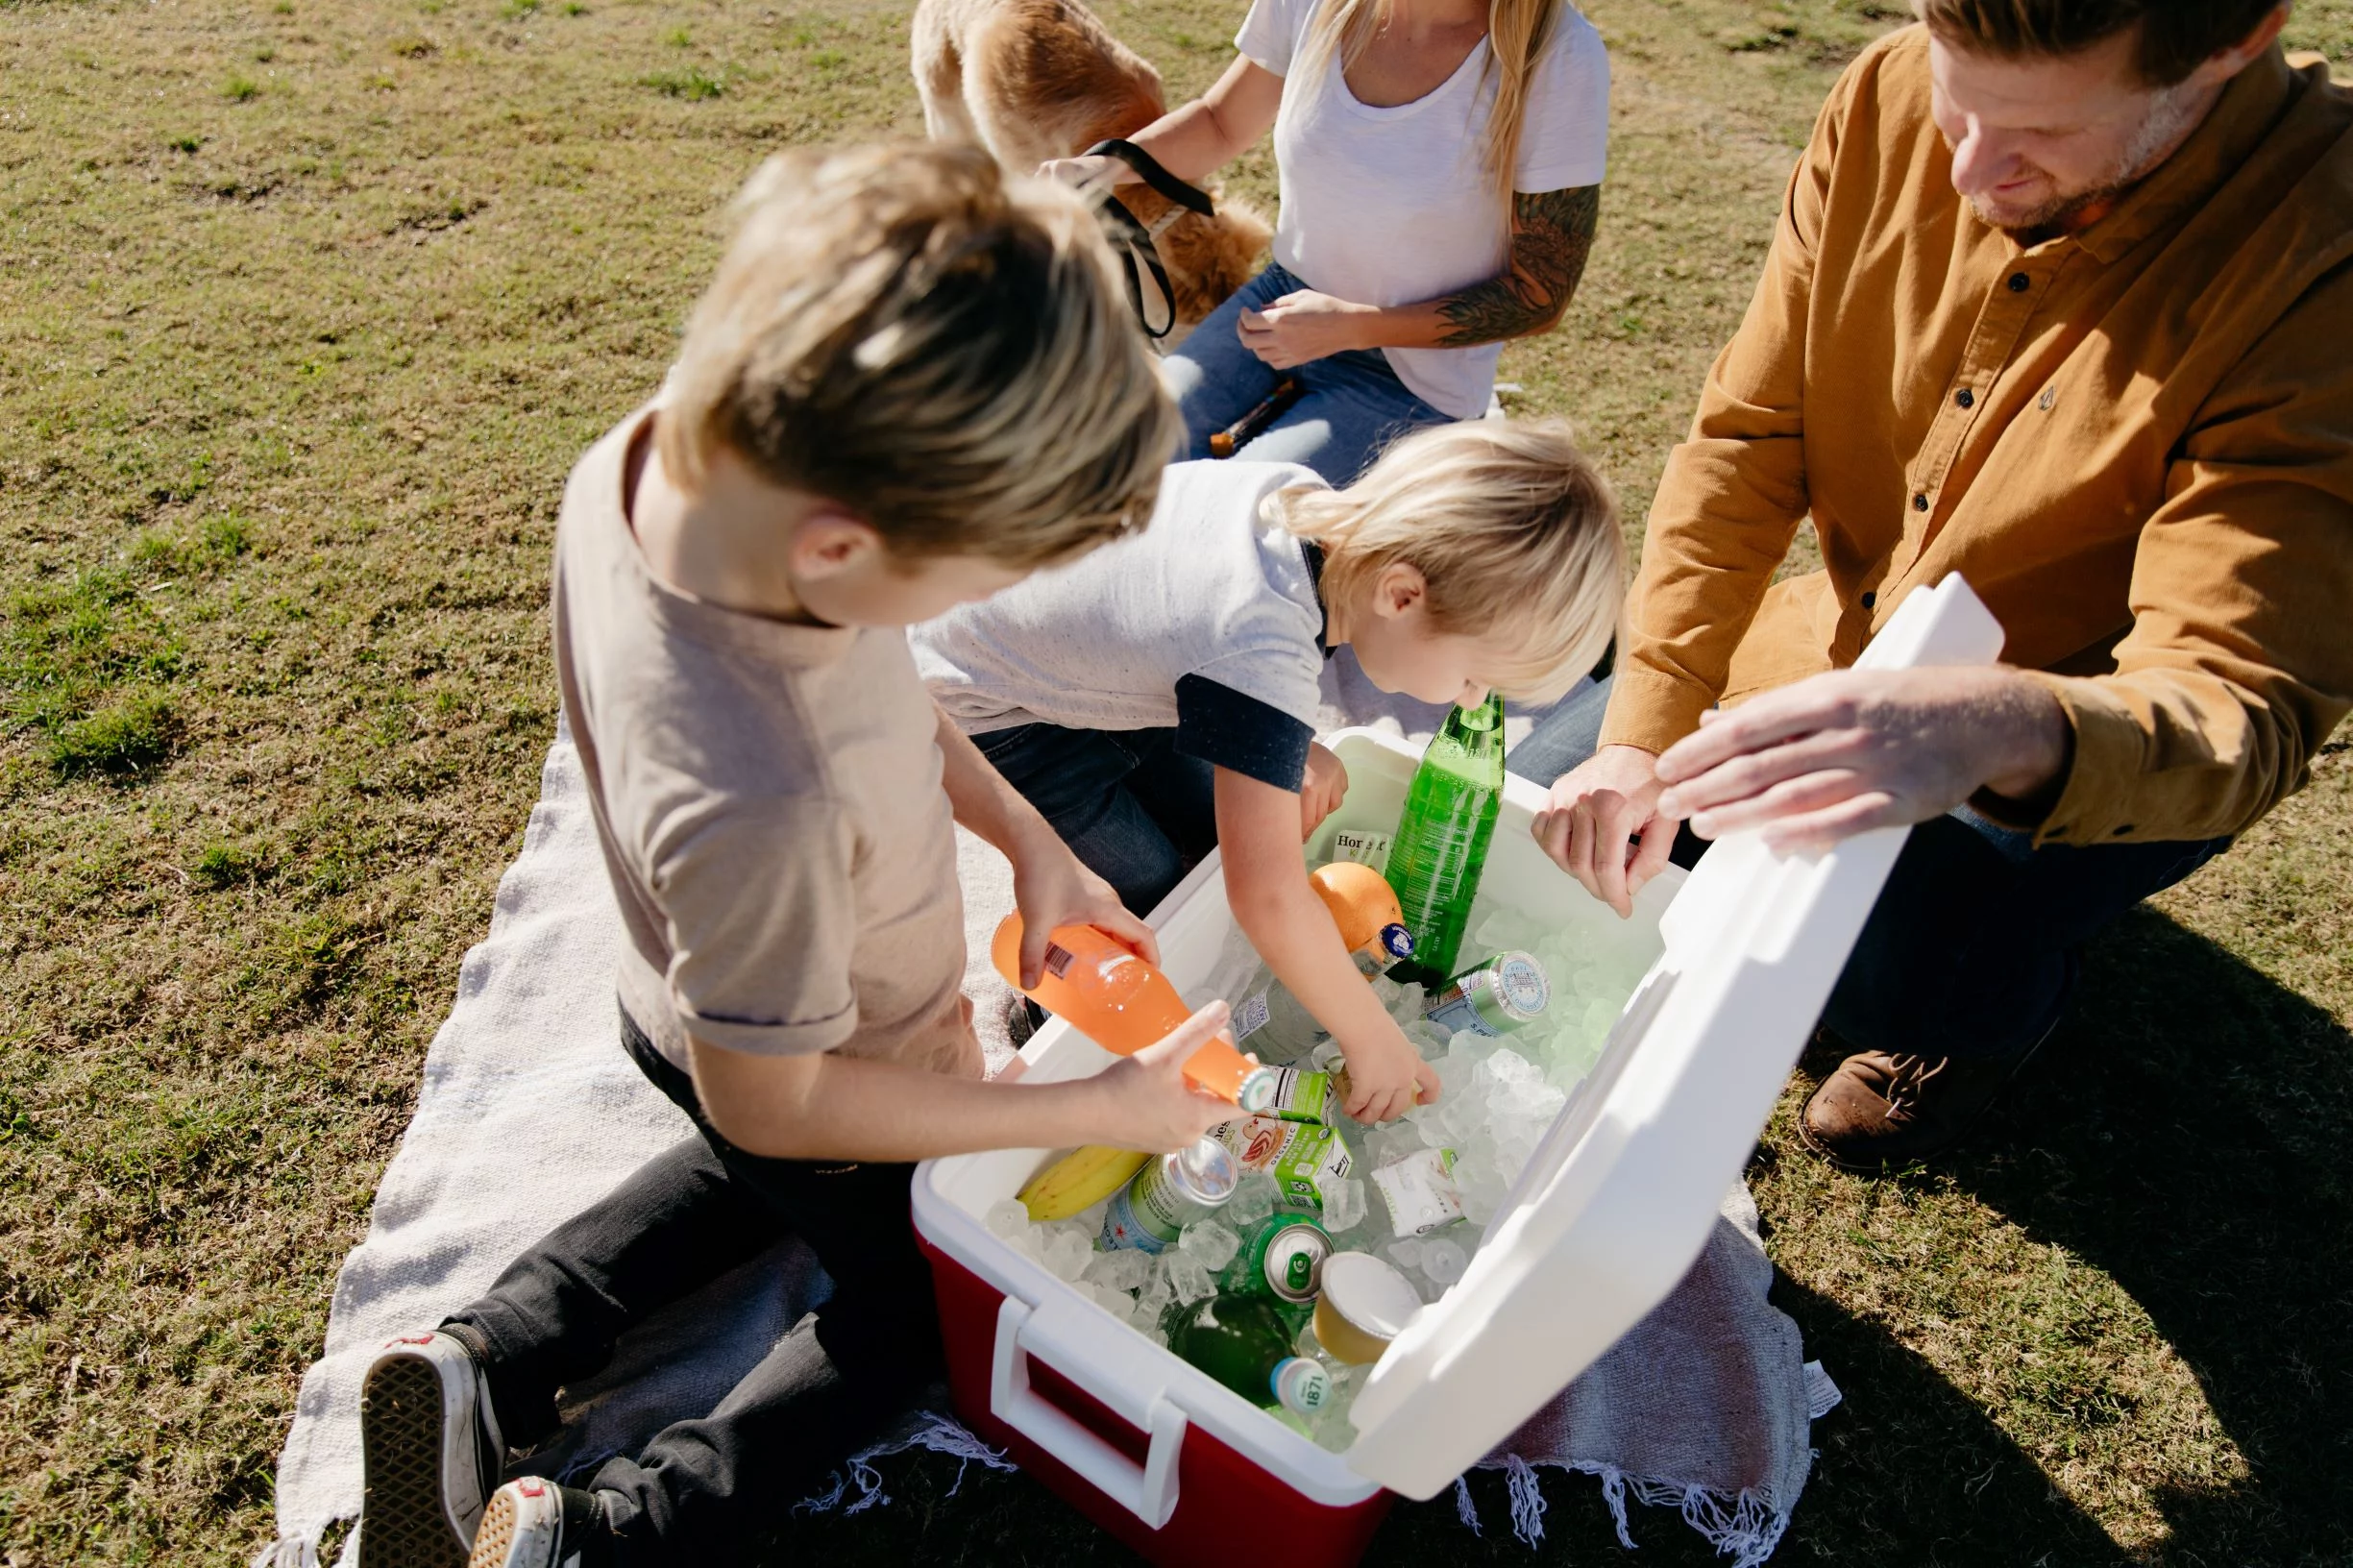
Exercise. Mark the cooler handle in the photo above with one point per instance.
(1149, 1490)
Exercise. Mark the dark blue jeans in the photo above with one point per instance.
(1135, 812)
(1352, 403)
(1971, 949)
(712, 1490)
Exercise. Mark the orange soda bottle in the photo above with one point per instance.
(1106, 992)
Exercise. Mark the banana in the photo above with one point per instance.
(1082, 1177)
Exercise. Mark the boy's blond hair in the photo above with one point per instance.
(1515, 532)
(944, 352)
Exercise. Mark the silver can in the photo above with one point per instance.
(1168, 1194)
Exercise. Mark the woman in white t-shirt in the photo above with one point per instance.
(1402, 258)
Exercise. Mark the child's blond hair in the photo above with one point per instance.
(1513, 532)
(941, 351)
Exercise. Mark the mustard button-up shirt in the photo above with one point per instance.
(2135, 442)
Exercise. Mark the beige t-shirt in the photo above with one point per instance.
(767, 800)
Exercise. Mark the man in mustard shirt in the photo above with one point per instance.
(2061, 300)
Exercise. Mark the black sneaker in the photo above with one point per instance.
(429, 1453)
(536, 1524)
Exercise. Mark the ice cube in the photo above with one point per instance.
(1067, 1255)
(1328, 1057)
(1386, 990)
(1443, 1262)
(1124, 1271)
(1343, 1205)
(1405, 1253)
(1007, 1216)
(1407, 1007)
(1188, 1276)
(1433, 1132)
(1253, 1200)
(1211, 1240)
(1154, 1296)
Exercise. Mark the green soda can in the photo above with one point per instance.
(1441, 844)
(1168, 1194)
(1301, 1095)
(1506, 993)
(1282, 1259)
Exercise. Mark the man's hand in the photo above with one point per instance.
(1051, 888)
(1603, 824)
(1387, 1076)
(1321, 790)
(1303, 326)
(1854, 749)
(1146, 1104)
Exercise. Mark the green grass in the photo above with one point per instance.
(289, 380)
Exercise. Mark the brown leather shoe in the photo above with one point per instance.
(1879, 1112)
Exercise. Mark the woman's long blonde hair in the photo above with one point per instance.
(1517, 32)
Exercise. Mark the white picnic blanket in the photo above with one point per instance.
(530, 1111)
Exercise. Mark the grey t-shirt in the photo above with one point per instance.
(1208, 621)
(767, 800)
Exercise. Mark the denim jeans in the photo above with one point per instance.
(709, 1490)
(1353, 402)
(1970, 950)
(1135, 812)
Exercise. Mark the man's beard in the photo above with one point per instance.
(2174, 115)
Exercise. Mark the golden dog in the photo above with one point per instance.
(1033, 79)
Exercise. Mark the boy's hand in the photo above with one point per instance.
(1321, 790)
(1148, 1105)
(1387, 1076)
(1052, 887)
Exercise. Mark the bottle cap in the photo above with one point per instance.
(1300, 1384)
(1397, 941)
(1258, 1088)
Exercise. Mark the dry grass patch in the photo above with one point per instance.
(307, 307)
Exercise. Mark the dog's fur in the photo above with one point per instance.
(1033, 79)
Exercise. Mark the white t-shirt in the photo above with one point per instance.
(1393, 206)
(1208, 621)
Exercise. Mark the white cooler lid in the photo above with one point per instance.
(1618, 1200)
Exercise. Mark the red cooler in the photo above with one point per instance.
(1611, 1211)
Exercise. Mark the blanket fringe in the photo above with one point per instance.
(940, 1434)
(1745, 1529)
(287, 1552)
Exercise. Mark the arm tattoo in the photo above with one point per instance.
(1552, 233)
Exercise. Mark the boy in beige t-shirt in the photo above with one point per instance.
(910, 386)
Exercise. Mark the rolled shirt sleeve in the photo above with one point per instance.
(1734, 492)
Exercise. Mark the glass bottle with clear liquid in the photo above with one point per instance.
(1441, 842)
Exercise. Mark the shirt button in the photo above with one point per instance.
(1966, 398)
(1920, 503)
(1869, 600)
(2019, 283)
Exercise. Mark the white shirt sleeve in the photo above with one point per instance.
(1564, 142)
(1270, 32)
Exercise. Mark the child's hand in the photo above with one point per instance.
(1051, 887)
(1387, 1076)
(1146, 1102)
(1321, 790)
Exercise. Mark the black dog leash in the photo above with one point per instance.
(1135, 239)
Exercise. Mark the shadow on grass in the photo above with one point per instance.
(2189, 1133)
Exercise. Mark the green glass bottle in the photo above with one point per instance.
(1441, 842)
(1244, 1343)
